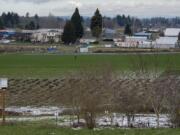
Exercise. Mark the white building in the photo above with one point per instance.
(84, 50)
(172, 32)
(4, 41)
(169, 40)
(87, 41)
(134, 41)
(47, 35)
(166, 42)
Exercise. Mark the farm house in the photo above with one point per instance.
(134, 41)
(47, 35)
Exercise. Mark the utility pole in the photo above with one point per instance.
(3, 95)
(3, 89)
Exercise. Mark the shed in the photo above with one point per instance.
(166, 42)
(172, 32)
(84, 50)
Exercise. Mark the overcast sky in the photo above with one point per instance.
(138, 8)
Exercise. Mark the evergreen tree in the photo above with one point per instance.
(36, 18)
(69, 35)
(16, 18)
(27, 15)
(128, 20)
(96, 24)
(77, 22)
(119, 20)
(128, 30)
(37, 26)
(179, 37)
(31, 26)
(10, 19)
(1, 24)
(123, 20)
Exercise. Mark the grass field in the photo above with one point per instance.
(36, 129)
(32, 65)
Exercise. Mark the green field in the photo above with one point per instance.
(51, 130)
(32, 65)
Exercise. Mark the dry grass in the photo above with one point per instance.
(38, 92)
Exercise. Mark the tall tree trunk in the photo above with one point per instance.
(157, 114)
(128, 120)
(78, 118)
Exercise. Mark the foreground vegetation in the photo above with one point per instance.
(39, 129)
(21, 65)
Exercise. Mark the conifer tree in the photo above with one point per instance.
(1, 24)
(96, 24)
(128, 30)
(69, 35)
(77, 22)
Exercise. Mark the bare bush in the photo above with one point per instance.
(156, 91)
(173, 100)
(87, 93)
(156, 95)
(128, 99)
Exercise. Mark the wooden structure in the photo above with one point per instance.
(2, 105)
(3, 88)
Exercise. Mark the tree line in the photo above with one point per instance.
(73, 29)
(13, 20)
(10, 20)
(160, 22)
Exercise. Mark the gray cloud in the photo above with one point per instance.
(142, 8)
(30, 1)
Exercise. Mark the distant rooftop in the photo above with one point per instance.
(167, 40)
(172, 32)
(142, 34)
(109, 31)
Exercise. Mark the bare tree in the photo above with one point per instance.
(128, 99)
(156, 90)
(96, 93)
(156, 94)
(73, 95)
(87, 93)
(173, 100)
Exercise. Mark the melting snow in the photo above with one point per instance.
(120, 120)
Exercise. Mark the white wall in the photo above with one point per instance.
(84, 50)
